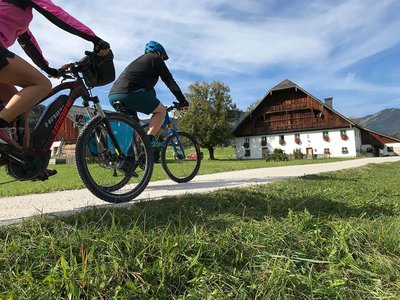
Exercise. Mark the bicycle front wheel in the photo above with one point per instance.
(114, 173)
(181, 157)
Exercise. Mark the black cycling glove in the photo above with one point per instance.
(101, 45)
(181, 104)
(52, 72)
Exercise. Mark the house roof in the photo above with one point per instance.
(287, 84)
(284, 85)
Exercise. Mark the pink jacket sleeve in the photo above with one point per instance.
(60, 18)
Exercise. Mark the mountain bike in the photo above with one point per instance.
(112, 167)
(180, 155)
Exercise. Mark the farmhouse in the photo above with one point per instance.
(290, 118)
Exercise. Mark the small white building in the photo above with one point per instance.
(290, 118)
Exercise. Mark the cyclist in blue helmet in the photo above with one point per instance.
(153, 46)
(134, 88)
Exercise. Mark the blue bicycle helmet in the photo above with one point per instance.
(154, 46)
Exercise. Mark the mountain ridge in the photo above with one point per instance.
(386, 121)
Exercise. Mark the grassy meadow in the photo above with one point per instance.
(327, 236)
(68, 178)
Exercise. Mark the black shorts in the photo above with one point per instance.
(4, 54)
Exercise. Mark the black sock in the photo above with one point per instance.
(4, 123)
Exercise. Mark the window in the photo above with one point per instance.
(246, 143)
(325, 136)
(327, 151)
(389, 149)
(345, 150)
(247, 153)
(263, 141)
(297, 138)
(370, 150)
(282, 137)
(343, 135)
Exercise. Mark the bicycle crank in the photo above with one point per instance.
(26, 165)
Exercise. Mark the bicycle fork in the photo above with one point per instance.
(99, 137)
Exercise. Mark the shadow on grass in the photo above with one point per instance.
(219, 209)
(325, 177)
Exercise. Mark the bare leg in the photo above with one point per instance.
(35, 86)
(6, 93)
(156, 119)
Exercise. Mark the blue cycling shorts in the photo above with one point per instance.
(144, 101)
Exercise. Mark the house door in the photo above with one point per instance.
(264, 153)
(310, 152)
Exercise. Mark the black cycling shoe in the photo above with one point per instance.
(45, 175)
(50, 172)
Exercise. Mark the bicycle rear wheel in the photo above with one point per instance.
(110, 175)
(181, 157)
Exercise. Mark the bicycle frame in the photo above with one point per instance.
(53, 116)
(168, 129)
(50, 121)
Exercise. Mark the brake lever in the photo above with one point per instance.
(66, 77)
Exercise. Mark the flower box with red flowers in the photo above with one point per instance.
(281, 142)
(344, 137)
(326, 138)
(297, 141)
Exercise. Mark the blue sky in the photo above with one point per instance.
(347, 49)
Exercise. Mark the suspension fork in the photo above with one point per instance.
(99, 137)
(176, 135)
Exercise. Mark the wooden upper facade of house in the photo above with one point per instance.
(288, 108)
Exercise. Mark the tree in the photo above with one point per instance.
(210, 114)
(252, 106)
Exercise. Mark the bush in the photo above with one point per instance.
(297, 154)
(278, 155)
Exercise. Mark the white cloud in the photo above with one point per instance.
(240, 41)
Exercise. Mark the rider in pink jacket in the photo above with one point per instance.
(15, 16)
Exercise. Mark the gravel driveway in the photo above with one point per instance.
(13, 209)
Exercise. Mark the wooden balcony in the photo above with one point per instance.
(270, 128)
(286, 107)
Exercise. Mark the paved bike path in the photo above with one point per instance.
(14, 209)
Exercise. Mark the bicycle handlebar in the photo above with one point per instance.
(175, 105)
(69, 71)
(172, 107)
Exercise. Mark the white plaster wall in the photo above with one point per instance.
(255, 147)
(384, 151)
(396, 149)
(311, 139)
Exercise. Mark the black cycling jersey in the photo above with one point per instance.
(144, 73)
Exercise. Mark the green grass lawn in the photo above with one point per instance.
(327, 236)
(68, 178)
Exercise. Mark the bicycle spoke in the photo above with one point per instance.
(114, 176)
